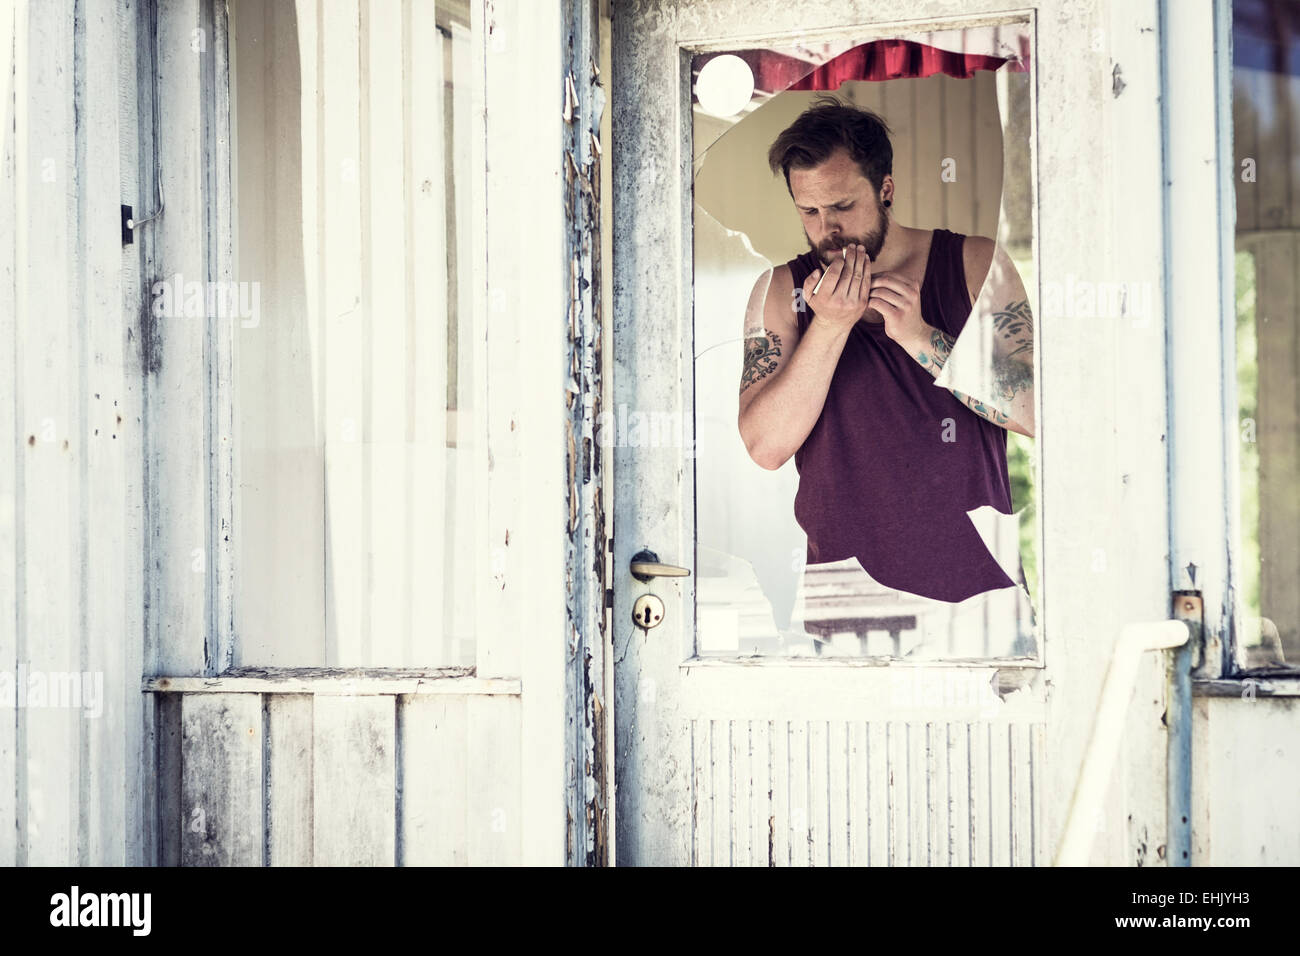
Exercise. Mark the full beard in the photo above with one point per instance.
(828, 249)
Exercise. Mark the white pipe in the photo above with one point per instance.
(1107, 728)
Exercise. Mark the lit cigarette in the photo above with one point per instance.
(844, 254)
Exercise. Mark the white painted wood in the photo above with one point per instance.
(177, 399)
(434, 780)
(497, 785)
(338, 684)
(1205, 345)
(11, 187)
(354, 781)
(384, 236)
(1136, 456)
(1251, 783)
(290, 783)
(811, 703)
(221, 781)
(50, 547)
(426, 323)
(343, 384)
(111, 648)
(522, 628)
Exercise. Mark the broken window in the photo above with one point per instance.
(903, 523)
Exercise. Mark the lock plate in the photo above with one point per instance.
(647, 611)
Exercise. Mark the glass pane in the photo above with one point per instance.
(862, 495)
(1266, 135)
(357, 419)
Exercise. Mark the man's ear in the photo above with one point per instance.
(887, 188)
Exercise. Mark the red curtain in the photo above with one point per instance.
(898, 59)
(878, 60)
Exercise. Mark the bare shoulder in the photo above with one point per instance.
(770, 302)
(977, 257)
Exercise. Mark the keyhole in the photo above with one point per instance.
(645, 616)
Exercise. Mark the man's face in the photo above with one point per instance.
(839, 207)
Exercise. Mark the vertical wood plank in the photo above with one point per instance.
(49, 541)
(859, 790)
(168, 763)
(800, 796)
(425, 474)
(495, 787)
(879, 795)
(918, 812)
(354, 782)
(1019, 799)
(344, 381)
(385, 258)
(112, 659)
(839, 794)
(433, 775)
(981, 824)
(818, 794)
(701, 832)
(761, 812)
(959, 795)
(221, 780)
(936, 761)
(176, 390)
(722, 790)
(743, 798)
(11, 185)
(895, 774)
(779, 839)
(1000, 804)
(290, 791)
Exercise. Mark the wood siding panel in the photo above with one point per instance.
(221, 780)
(354, 815)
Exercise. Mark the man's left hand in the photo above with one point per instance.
(898, 300)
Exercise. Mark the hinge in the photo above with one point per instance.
(1187, 606)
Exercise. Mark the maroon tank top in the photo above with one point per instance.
(877, 481)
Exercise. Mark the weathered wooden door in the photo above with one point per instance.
(769, 712)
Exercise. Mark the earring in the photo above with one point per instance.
(889, 202)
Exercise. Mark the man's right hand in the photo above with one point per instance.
(843, 297)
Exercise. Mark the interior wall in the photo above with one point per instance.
(931, 120)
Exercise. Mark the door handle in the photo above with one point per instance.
(646, 566)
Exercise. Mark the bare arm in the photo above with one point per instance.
(786, 376)
(1011, 326)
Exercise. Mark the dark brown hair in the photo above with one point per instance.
(826, 126)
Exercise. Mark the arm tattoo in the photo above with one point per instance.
(980, 409)
(1013, 371)
(941, 344)
(761, 353)
(1016, 324)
